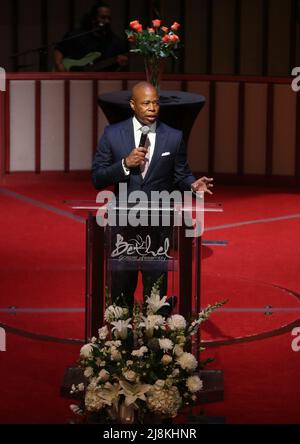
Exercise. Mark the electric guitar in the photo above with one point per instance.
(89, 62)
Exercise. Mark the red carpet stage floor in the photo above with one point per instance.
(42, 287)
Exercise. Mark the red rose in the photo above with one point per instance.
(131, 38)
(134, 24)
(174, 38)
(166, 38)
(175, 26)
(151, 30)
(139, 28)
(156, 23)
(165, 29)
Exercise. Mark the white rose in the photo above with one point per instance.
(130, 375)
(116, 356)
(176, 322)
(88, 372)
(140, 352)
(103, 375)
(166, 359)
(194, 384)
(81, 387)
(103, 332)
(86, 351)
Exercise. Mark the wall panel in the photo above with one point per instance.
(279, 35)
(5, 36)
(81, 124)
(195, 50)
(251, 36)
(81, 8)
(284, 131)
(255, 128)
(223, 37)
(58, 15)
(22, 125)
(52, 125)
(226, 128)
(30, 33)
(198, 141)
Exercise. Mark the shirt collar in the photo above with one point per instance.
(138, 125)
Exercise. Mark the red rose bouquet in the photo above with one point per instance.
(157, 41)
(155, 44)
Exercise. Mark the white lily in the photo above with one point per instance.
(155, 302)
(132, 392)
(110, 394)
(121, 328)
(152, 322)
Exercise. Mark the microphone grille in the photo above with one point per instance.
(145, 129)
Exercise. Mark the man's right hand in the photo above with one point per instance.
(136, 157)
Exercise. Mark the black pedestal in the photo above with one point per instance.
(178, 109)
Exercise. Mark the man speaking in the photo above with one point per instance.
(147, 155)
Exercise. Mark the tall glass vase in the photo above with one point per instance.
(154, 67)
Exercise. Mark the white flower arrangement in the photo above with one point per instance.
(141, 364)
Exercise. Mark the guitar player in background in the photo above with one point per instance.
(92, 47)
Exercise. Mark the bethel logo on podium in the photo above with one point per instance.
(2, 340)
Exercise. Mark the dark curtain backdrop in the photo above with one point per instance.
(247, 37)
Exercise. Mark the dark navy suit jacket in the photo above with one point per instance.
(166, 172)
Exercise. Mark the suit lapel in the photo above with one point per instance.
(160, 140)
(127, 134)
(127, 145)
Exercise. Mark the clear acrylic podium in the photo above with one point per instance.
(127, 244)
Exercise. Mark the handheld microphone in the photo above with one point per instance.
(145, 130)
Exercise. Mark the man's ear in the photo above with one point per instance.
(131, 103)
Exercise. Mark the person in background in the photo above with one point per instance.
(92, 47)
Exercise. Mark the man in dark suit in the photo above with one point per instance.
(160, 165)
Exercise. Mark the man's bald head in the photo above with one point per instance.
(141, 87)
(145, 102)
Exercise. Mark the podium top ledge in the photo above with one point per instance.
(92, 206)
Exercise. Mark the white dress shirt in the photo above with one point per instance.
(137, 126)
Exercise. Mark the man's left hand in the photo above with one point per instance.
(203, 184)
